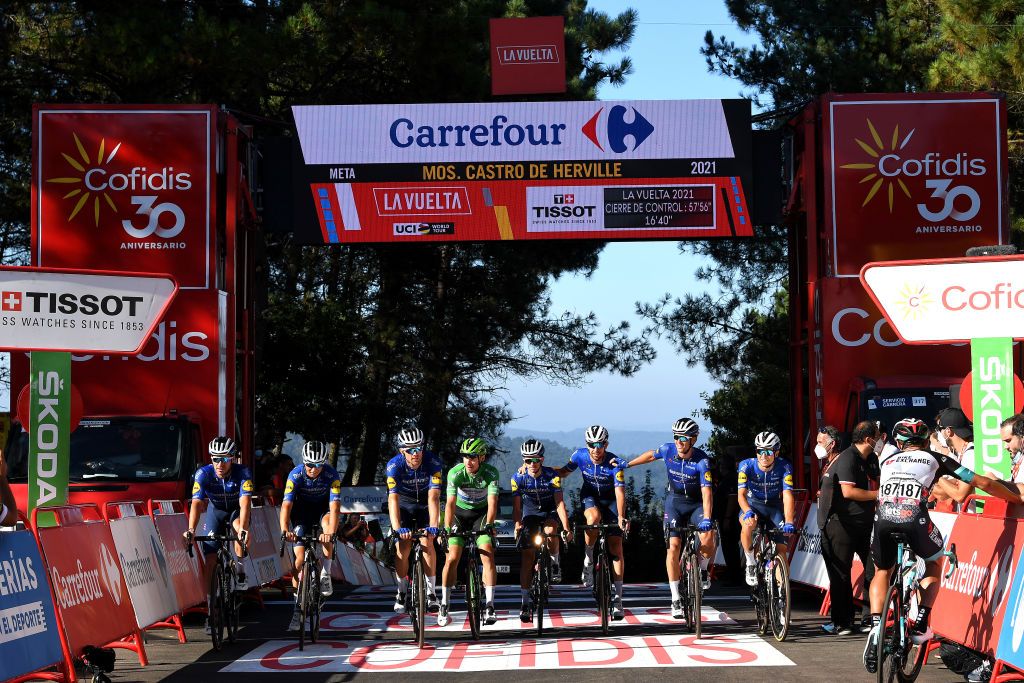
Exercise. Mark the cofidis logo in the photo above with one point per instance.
(99, 184)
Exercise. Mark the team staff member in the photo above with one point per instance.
(688, 501)
(764, 488)
(8, 508)
(603, 496)
(1011, 431)
(537, 501)
(845, 520)
(414, 502)
(312, 497)
(229, 490)
(953, 436)
(472, 506)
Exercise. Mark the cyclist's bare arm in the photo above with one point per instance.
(642, 459)
(517, 512)
(741, 499)
(333, 517)
(620, 500)
(434, 506)
(193, 513)
(393, 512)
(244, 506)
(709, 503)
(997, 488)
(492, 508)
(563, 517)
(788, 506)
(449, 511)
(285, 516)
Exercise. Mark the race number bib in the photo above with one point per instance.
(900, 490)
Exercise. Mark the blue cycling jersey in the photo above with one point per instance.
(223, 493)
(326, 488)
(766, 487)
(537, 493)
(599, 478)
(412, 485)
(686, 476)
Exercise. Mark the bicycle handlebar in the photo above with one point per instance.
(953, 562)
(306, 538)
(226, 538)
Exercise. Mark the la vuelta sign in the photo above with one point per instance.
(124, 188)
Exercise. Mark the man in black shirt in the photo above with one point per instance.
(847, 522)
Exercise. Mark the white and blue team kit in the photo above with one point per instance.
(764, 489)
(687, 477)
(311, 496)
(599, 482)
(413, 487)
(224, 496)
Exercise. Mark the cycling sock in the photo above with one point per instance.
(444, 595)
(489, 595)
(618, 589)
(431, 590)
(590, 554)
(674, 587)
(876, 619)
(556, 559)
(704, 562)
(922, 618)
(750, 558)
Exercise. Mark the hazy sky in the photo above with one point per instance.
(667, 64)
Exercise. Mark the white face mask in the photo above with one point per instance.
(821, 452)
(879, 445)
(942, 439)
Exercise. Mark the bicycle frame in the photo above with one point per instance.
(474, 575)
(771, 594)
(416, 599)
(602, 570)
(692, 588)
(308, 595)
(221, 600)
(540, 583)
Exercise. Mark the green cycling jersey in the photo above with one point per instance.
(471, 490)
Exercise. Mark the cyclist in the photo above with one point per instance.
(537, 500)
(688, 500)
(765, 488)
(312, 496)
(229, 490)
(603, 496)
(906, 478)
(414, 502)
(472, 505)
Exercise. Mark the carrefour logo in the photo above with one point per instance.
(891, 161)
(617, 129)
(93, 182)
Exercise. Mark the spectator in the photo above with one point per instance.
(953, 436)
(846, 518)
(8, 508)
(283, 465)
(883, 449)
(354, 530)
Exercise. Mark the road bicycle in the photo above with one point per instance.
(691, 587)
(416, 600)
(474, 576)
(771, 595)
(899, 658)
(540, 584)
(308, 597)
(222, 602)
(602, 570)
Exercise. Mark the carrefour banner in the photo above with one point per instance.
(527, 170)
(28, 628)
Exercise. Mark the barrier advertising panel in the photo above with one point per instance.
(125, 188)
(91, 595)
(186, 574)
(146, 570)
(1011, 637)
(28, 626)
(527, 170)
(897, 182)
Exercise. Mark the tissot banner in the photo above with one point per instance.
(920, 175)
(527, 170)
(527, 56)
(125, 188)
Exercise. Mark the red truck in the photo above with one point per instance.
(171, 195)
(878, 178)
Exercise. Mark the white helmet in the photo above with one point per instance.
(314, 453)
(685, 427)
(596, 433)
(410, 438)
(532, 448)
(769, 440)
(223, 446)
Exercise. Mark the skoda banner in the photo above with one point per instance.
(992, 373)
(28, 629)
(49, 447)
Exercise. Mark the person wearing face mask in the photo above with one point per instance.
(953, 436)
(1011, 431)
(845, 514)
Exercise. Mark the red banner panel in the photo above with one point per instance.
(125, 188)
(913, 176)
(527, 55)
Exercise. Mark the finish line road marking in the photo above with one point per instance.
(355, 656)
(508, 620)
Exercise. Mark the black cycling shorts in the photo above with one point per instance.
(913, 522)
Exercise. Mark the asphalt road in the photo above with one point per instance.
(362, 637)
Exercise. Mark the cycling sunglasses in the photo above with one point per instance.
(414, 451)
(219, 460)
(765, 452)
(596, 444)
(683, 439)
(531, 461)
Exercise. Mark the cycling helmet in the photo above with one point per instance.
(223, 446)
(596, 433)
(473, 446)
(685, 427)
(532, 448)
(910, 430)
(314, 453)
(769, 440)
(410, 438)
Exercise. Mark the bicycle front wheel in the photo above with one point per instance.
(473, 598)
(540, 582)
(892, 634)
(313, 595)
(696, 589)
(778, 597)
(231, 605)
(216, 607)
(304, 588)
(419, 597)
(604, 592)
